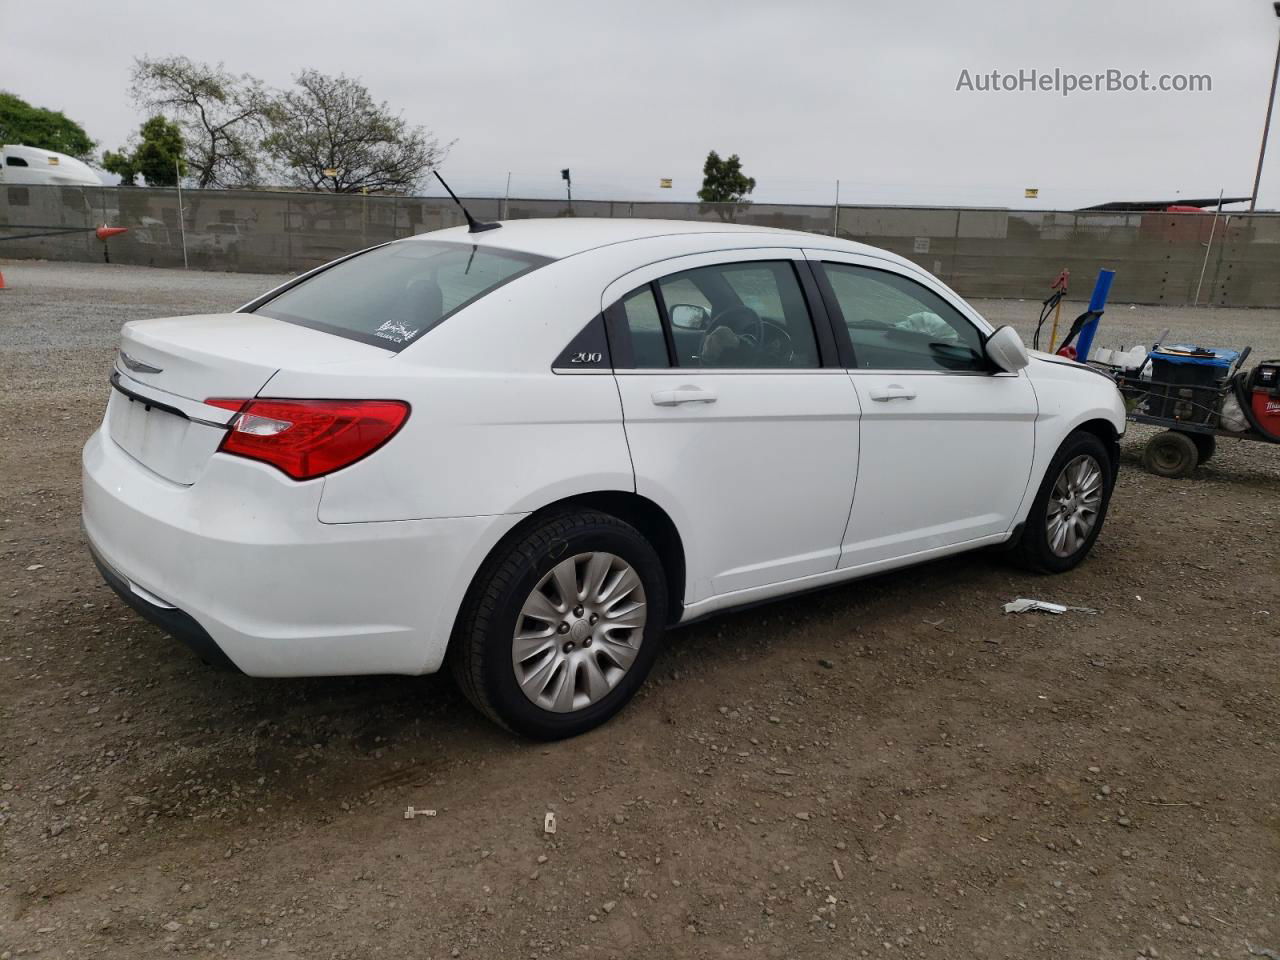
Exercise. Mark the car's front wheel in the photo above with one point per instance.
(1069, 507)
(562, 625)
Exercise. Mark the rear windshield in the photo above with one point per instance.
(391, 295)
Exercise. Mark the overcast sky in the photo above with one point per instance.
(805, 92)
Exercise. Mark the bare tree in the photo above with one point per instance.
(329, 134)
(223, 116)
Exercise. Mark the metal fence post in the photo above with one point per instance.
(182, 220)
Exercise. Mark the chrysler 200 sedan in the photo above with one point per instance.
(526, 452)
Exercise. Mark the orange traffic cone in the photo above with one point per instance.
(1, 281)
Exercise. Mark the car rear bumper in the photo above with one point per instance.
(238, 566)
(175, 622)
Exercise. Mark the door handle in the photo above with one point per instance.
(893, 391)
(688, 393)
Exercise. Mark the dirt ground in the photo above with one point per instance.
(894, 768)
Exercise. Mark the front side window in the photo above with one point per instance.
(745, 316)
(15, 161)
(895, 323)
(391, 295)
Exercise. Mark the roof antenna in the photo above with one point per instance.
(473, 225)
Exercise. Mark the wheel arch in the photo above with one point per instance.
(639, 511)
(1105, 431)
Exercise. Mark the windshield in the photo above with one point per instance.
(393, 294)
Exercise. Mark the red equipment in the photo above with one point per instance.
(1264, 386)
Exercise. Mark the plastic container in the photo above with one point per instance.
(1187, 383)
(1182, 363)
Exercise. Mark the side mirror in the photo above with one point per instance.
(688, 316)
(1005, 349)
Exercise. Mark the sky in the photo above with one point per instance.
(807, 92)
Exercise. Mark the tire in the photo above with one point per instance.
(1171, 454)
(1206, 444)
(489, 661)
(1039, 547)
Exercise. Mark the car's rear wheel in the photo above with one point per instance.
(1070, 506)
(562, 625)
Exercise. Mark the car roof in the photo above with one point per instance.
(566, 236)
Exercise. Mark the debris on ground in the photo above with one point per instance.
(1024, 605)
(549, 823)
(411, 812)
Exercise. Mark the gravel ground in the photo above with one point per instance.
(892, 768)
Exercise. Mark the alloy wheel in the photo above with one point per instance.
(1074, 505)
(579, 632)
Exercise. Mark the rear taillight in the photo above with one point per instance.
(309, 438)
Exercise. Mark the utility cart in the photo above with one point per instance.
(1198, 395)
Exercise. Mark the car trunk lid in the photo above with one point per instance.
(167, 368)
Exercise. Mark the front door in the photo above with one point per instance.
(947, 439)
(735, 425)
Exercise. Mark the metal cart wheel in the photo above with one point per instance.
(1171, 454)
(1206, 444)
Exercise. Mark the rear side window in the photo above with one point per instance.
(392, 295)
(648, 341)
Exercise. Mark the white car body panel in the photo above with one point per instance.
(726, 467)
(791, 479)
(1068, 394)
(283, 595)
(945, 465)
(946, 457)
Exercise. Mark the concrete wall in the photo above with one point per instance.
(1157, 257)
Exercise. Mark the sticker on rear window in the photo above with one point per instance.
(395, 331)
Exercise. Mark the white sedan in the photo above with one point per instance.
(526, 452)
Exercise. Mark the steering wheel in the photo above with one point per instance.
(741, 326)
(743, 321)
(777, 342)
(727, 332)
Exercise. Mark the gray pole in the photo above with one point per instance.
(1207, 247)
(835, 214)
(506, 196)
(1266, 126)
(182, 225)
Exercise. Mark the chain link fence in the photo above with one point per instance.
(1171, 258)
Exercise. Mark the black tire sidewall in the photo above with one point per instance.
(1181, 443)
(532, 563)
(1035, 538)
(1206, 445)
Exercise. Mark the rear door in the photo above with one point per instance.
(740, 421)
(947, 439)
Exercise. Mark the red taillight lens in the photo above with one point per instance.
(309, 438)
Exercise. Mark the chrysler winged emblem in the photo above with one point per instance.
(137, 366)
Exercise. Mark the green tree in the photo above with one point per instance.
(222, 116)
(120, 162)
(20, 122)
(724, 182)
(332, 124)
(157, 154)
